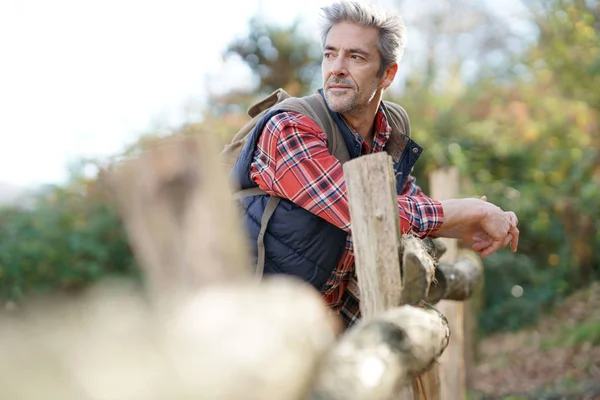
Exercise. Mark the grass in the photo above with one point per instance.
(586, 332)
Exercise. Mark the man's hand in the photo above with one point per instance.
(485, 244)
(480, 223)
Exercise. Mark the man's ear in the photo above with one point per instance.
(389, 75)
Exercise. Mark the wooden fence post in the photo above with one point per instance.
(444, 184)
(371, 189)
(376, 235)
(375, 232)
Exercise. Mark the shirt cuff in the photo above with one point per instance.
(420, 215)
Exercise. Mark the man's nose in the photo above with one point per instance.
(338, 67)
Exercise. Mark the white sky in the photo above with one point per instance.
(85, 78)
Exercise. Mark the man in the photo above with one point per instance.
(287, 157)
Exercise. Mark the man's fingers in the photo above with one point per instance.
(514, 231)
(479, 246)
(514, 221)
(487, 247)
(486, 252)
(491, 249)
(507, 239)
(484, 198)
(515, 239)
(482, 236)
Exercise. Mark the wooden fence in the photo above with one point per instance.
(205, 328)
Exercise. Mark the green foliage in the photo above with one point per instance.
(282, 57)
(568, 55)
(532, 145)
(505, 271)
(537, 156)
(66, 241)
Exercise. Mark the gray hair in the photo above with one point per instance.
(392, 31)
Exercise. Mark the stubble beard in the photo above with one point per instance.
(352, 102)
(343, 103)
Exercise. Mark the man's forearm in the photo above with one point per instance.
(458, 213)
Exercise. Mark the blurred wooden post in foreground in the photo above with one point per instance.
(444, 185)
(177, 207)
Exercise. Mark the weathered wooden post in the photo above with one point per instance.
(380, 356)
(375, 232)
(444, 184)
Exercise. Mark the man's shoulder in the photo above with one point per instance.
(398, 115)
(395, 107)
(283, 119)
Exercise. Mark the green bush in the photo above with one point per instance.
(67, 240)
(535, 156)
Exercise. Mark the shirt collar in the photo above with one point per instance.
(383, 130)
(381, 134)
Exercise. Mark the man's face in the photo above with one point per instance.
(350, 65)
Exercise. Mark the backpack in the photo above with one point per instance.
(311, 106)
(314, 107)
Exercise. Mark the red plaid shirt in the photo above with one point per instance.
(292, 162)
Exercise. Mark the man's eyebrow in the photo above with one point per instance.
(352, 51)
(359, 51)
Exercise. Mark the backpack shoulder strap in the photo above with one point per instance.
(400, 123)
(315, 108)
(316, 103)
(260, 240)
(398, 116)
